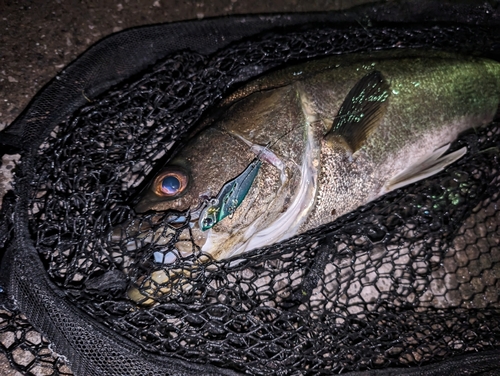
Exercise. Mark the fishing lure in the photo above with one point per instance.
(229, 198)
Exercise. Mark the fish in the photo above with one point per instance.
(301, 146)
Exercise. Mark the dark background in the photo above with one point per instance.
(38, 38)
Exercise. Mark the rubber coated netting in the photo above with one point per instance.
(408, 280)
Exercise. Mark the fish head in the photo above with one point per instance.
(236, 175)
(210, 177)
(242, 176)
(197, 173)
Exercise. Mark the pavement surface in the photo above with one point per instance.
(37, 39)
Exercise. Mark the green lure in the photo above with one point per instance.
(230, 197)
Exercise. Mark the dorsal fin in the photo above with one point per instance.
(361, 111)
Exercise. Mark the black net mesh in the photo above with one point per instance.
(26, 348)
(409, 280)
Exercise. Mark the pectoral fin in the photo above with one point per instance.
(361, 111)
(433, 164)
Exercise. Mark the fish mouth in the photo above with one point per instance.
(158, 232)
(162, 254)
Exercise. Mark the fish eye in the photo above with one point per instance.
(171, 182)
